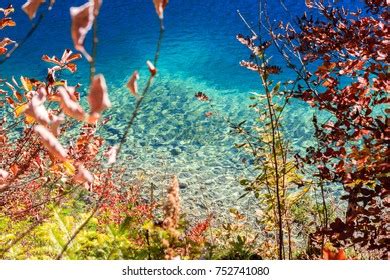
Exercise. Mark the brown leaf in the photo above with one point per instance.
(37, 111)
(52, 59)
(10, 9)
(65, 62)
(250, 65)
(152, 68)
(82, 21)
(69, 56)
(309, 3)
(69, 106)
(51, 143)
(273, 69)
(10, 101)
(98, 97)
(201, 96)
(83, 175)
(132, 84)
(160, 7)
(208, 114)
(31, 7)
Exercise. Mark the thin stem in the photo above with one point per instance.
(95, 40)
(144, 92)
(274, 155)
(262, 71)
(246, 23)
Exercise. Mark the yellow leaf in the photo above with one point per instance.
(148, 225)
(69, 167)
(20, 109)
(29, 119)
(59, 83)
(27, 85)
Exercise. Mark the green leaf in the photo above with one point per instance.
(276, 88)
(244, 182)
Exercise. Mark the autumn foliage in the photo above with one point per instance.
(349, 52)
(40, 168)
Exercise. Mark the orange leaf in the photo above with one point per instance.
(65, 62)
(71, 67)
(52, 59)
(14, 169)
(5, 42)
(18, 96)
(132, 84)
(340, 255)
(4, 22)
(329, 254)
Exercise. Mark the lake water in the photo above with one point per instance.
(199, 53)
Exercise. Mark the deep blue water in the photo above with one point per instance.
(199, 53)
(199, 41)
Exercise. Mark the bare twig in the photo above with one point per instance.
(95, 40)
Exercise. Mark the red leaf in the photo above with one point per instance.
(82, 21)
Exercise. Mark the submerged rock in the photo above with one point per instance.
(175, 152)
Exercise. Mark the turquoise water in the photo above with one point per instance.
(199, 53)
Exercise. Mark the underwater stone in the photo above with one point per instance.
(175, 152)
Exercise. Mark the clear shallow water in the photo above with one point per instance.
(199, 53)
